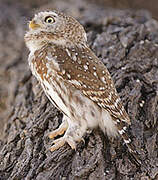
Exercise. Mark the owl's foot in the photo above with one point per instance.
(61, 141)
(72, 135)
(62, 128)
(66, 139)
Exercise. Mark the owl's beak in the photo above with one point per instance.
(33, 25)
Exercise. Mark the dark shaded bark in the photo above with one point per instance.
(127, 42)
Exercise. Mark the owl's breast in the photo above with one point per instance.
(51, 84)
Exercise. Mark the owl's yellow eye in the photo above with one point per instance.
(49, 20)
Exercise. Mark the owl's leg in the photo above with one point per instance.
(72, 135)
(62, 128)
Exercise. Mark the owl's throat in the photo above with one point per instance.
(38, 39)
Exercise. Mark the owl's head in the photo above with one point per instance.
(54, 27)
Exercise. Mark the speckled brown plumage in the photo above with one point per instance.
(74, 79)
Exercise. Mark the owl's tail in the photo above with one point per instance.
(113, 126)
(132, 149)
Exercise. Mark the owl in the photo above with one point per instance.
(74, 80)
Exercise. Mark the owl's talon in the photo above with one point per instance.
(79, 139)
(71, 143)
(57, 144)
(61, 141)
(57, 141)
(62, 128)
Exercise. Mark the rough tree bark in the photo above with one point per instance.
(127, 42)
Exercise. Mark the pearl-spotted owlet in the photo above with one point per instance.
(74, 80)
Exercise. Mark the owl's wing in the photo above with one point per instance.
(81, 68)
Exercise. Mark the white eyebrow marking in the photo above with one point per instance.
(55, 14)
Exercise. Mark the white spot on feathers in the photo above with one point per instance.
(94, 68)
(103, 79)
(85, 67)
(75, 82)
(127, 141)
(121, 131)
(95, 74)
(68, 52)
(74, 57)
(69, 76)
(103, 72)
(101, 88)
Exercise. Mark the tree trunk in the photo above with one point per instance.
(127, 42)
